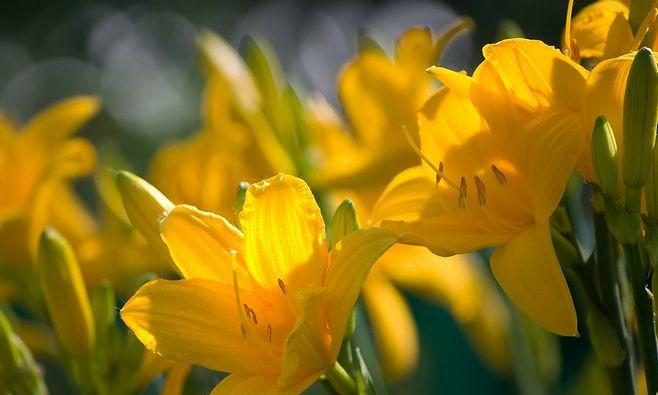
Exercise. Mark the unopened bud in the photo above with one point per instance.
(640, 116)
(65, 293)
(19, 373)
(344, 221)
(604, 157)
(145, 207)
(103, 304)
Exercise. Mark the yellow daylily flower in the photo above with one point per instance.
(602, 30)
(36, 163)
(498, 149)
(269, 306)
(379, 96)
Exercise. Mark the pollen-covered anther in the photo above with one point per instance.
(282, 285)
(462, 192)
(439, 173)
(500, 176)
(251, 314)
(481, 189)
(269, 333)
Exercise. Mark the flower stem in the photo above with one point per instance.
(646, 325)
(340, 380)
(622, 378)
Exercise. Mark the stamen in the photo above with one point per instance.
(282, 285)
(643, 29)
(462, 192)
(482, 190)
(236, 290)
(438, 171)
(500, 176)
(269, 333)
(250, 313)
(567, 31)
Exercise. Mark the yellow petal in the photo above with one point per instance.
(606, 87)
(150, 367)
(62, 119)
(236, 384)
(195, 321)
(520, 78)
(529, 273)
(74, 158)
(456, 81)
(351, 258)
(284, 233)
(175, 383)
(591, 26)
(393, 327)
(203, 245)
(619, 39)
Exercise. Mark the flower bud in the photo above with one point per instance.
(604, 157)
(65, 293)
(103, 304)
(145, 207)
(344, 221)
(640, 115)
(19, 373)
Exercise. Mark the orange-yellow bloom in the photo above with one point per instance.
(36, 163)
(602, 30)
(498, 148)
(269, 306)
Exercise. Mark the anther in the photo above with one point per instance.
(269, 333)
(502, 180)
(282, 286)
(482, 190)
(438, 174)
(243, 329)
(250, 314)
(462, 192)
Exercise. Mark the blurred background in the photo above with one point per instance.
(140, 57)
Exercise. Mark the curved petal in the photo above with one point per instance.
(528, 271)
(203, 245)
(197, 322)
(284, 233)
(62, 119)
(351, 258)
(175, 382)
(393, 327)
(74, 158)
(620, 38)
(591, 26)
(537, 75)
(236, 384)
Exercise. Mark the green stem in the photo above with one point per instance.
(340, 380)
(644, 314)
(622, 378)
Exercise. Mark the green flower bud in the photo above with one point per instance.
(103, 304)
(640, 116)
(145, 206)
(344, 221)
(65, 293)
(19, 373)
(604, 157)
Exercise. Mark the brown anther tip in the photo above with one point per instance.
(440, 174)
(269, 333)
(243, 329)
(500, 176)
(282, 285)
(481, 189)
(463, 192)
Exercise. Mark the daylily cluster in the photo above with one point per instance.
(439, 166)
